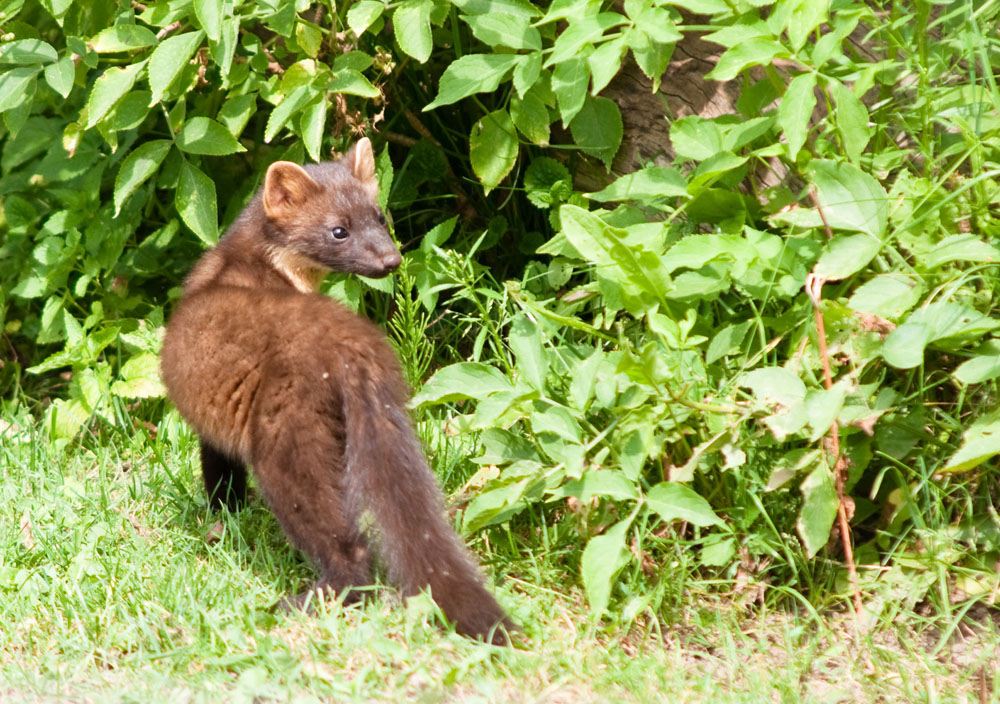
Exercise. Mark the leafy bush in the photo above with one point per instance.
(650, 377)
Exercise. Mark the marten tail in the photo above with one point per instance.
(386, 472)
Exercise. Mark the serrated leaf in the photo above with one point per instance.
(493, 148)
(111, 87)
(756, 51)
(27, 51)
(473, 73)
(531, 117)
(676, 502)
(237, 112)
(140, 378)
(363, 14)
(602, 560)
(608, 483)
(141, 163)
(819, 510)
(15, 86)
(291, 104)
(505, 29)
(209, 14)
(569, 83)
(597, 128)
(169, 59)
(527, 71)
(605, 63)
(411, 23)
(795, 111)
(695, 138)
(852, 120)
(122, 37)
(353, 83)
(461, 381)
(60, 75)
(313, 128)
(200, 135)
(196, 203)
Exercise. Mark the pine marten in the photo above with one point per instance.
(272, 374)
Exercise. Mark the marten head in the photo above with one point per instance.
(326, 216)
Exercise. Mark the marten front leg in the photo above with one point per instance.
(225, 478)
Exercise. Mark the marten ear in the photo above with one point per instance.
(363, 161)
(286, 185)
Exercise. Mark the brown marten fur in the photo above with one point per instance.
(274, 375)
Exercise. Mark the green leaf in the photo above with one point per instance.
(569, 83)
(169, 59)
(958, 248)
(852, 120)
(15, 85)
(290, 105)
(201, 135)
(525, 341)
(493, 148)
(695, 138)
(531, 117)
(983, 367)
(138, 166)
(196, 203)
(527, 71)
(140, 378)
(819, 510)
(523, 8)
(411, 23)
(980, 442)
(672, 502)
(27, 51)
(122, 37)
(313, 128)
(795, 111)
(237, 112)
(352, 82)
(775, 385)
(363, 14)
(605, 63)
(651, 56)
(889, 296)
(473, 73)
(597, 129)
(461, 381)
(608, 483)
(602, 560)
(904, 347)
(109, 89)
(209, 14)
(845, 255)
(851, 199)
(644, 185)
(756, 51)
(60, 75)
(504, 29)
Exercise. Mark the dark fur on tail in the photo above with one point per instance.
(387, 473)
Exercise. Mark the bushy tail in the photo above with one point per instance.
(386, 471)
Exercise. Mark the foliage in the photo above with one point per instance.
(639, 366)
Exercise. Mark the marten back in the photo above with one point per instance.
(272, 374)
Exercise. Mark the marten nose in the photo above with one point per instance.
(391, 260)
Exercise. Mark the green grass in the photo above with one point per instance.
(117, 584)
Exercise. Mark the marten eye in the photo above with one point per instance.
(339, 233)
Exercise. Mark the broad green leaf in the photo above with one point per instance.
(201, 135)
(983, 367)
(525, 341)
(676, 502)
(60, 75)
(805, 17)
(889, 296)
(523, 8)
(651, 56)
(411, 23)
(756, 51)
(196, 203)
(291, 104)
(557, 420)
(851, 199)
(237, 112)
(122, 37)
(461, 381)
(15, 86)
(605, 63)
(169, 59)
(493, 148)
(111, 87)
(138, 166)
(904, 347)
(571, 43)
(473, 73)
(980, 442)
(313, 128)
(852, 120)
(775, 385)
(531, 117)
(602, 560)
(607, 483)
(695, 138)
(363, 14)
(140, 378)
(795, 111)
(353, 83)
(819, 510)
(309, 38)
(845, 255)
(597, 128)
(27, 51)
(224, 50)
(569, 83)
(958, 248)
(209, 14)
(504, 29)
(728, 341)
(645, 185)
(527, 71)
